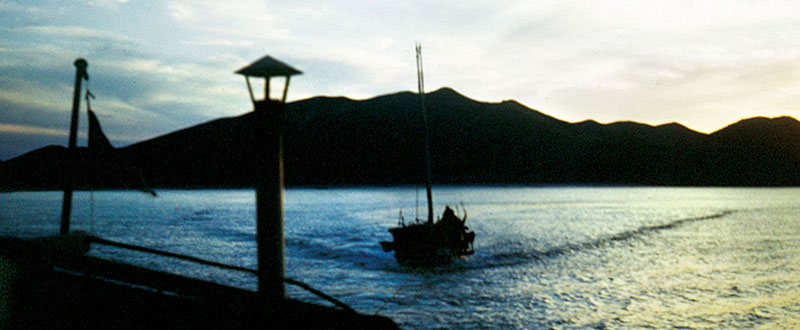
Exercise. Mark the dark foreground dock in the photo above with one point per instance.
(53, 284)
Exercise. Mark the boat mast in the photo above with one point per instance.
(66, 206)
(421, 87)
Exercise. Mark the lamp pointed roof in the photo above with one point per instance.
(268, 67)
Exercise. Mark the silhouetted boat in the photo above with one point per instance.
(430, 243)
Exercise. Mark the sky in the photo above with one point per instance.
(159, 66)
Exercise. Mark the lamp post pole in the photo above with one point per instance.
(268, 129)
(268, 126)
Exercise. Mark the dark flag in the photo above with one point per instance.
(98, 142)
(122, 172)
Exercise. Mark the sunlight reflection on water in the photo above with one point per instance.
(546, 257)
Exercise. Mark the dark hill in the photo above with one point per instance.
(38, 169)
(216, 153)
(757, 151)
(380, 141)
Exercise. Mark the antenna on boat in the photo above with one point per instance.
(66, 206)
(269, 117)
(421, 87)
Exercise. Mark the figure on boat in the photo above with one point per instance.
(454, 233)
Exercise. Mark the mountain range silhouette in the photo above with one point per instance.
(380, 141)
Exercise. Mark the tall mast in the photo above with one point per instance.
(66, 205)
(421, 87)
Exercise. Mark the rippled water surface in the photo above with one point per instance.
(546, 257)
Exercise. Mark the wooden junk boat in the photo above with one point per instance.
(430, 243)
(52, 283)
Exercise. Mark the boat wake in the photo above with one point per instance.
(522, 256)
(354, 250)
(366, 254)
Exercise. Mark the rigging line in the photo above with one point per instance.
(91, 212)
(400, 288)
(98, 240)
(89, 96)
(416, 190)
(319, 294)
(394, 295)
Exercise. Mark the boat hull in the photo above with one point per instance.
(427, 244)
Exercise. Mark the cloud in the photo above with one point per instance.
(222, 43)
(11, 6)
(74, 32)
(184, 12)
(703, 95)
(23, 129)
(109, 4)
(138, 96)
(161, 66)
(237, 20)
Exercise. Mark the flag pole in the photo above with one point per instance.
(69, 180)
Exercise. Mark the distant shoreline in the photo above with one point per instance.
(379, 141)
(362, 186)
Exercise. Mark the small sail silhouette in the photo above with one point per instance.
(98, 142)
(104, 154)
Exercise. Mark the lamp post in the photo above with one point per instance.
(268, 129)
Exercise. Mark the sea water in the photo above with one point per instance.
(545, 257)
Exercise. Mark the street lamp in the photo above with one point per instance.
(268, 126)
